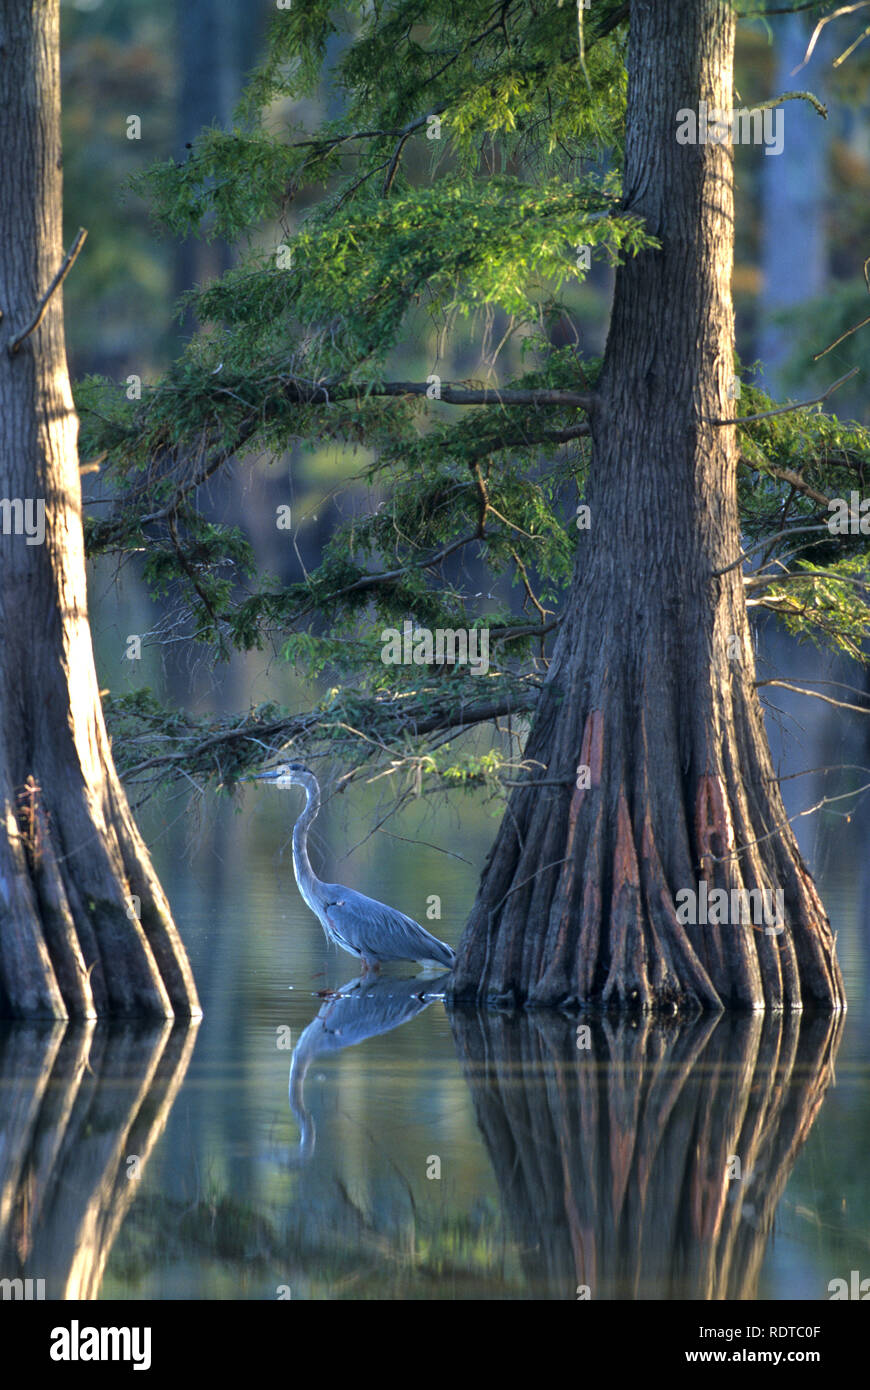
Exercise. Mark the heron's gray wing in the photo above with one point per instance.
(378, 931)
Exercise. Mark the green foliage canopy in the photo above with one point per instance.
(478, 149)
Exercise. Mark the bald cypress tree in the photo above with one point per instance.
(85, 928)
(485, 157)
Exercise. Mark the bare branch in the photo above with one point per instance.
(817, 695)
(841, 685)
(849, 331)
(753, 581)
(785, 409)
(793, 96)
(66, 266)
(788, 475)
(394, 165)
(844, 9)
(511, 634)
(780, 9)
(768, 540)
(851, 49)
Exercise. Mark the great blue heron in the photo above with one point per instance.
(366, 928)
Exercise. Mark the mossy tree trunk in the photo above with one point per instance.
(71, 857)
(651, 686)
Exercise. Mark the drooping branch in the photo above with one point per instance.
(792, 96)
(222, 753)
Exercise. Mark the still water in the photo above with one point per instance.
(370, 1145)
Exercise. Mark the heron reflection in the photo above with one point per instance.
(361, 1009)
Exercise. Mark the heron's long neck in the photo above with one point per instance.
(305, 875)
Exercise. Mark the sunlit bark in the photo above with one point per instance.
(85, 928)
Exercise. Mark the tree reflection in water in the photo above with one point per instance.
(618, 1163)
(78, 1103)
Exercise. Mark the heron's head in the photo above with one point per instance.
(285, 775)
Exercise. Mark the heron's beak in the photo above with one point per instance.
(271, 774)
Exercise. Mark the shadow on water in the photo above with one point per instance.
(648, 1164)
(81, 1109)
(360, 1009)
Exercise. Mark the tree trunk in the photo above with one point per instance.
(651, 686)
(216, 45)
(85, 928)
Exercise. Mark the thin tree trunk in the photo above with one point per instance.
(651, 683)
(72, 861)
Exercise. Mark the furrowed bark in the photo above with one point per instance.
(651, 684)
